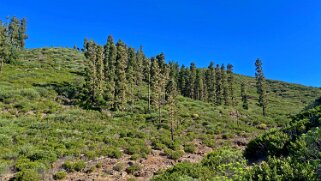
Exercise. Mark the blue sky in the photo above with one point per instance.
(285, 34)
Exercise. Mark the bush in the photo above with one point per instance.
(269, 144)
(42, 155)
(60, 175)
(119, 167)
(111, 152)
(174, 155)
(190, 148)
(133, 169)
(28, 175)
(80, 165)
(26, 164)
(185, 171)
(222, 156)
(5, 140)
(262, 126)
(282, 169)
(74, 166)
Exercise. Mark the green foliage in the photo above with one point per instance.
(60, 175)
(74, 166)
(281, 169)
(189, 148)
(174, 155)
(133, 169)
(27, 175)
(119, 167)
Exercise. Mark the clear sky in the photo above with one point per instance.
(285, 34)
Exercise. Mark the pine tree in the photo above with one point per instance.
(192, 78)
(199, 85)
(130, 74)
(91, 72)
(139, 66)
(146, 69)
(161, 62)
(230, 81)
(224, 86)
(120, 79)
(13, 41)
(210, 82)
(149, 83)
(22, 33)
(156, 88)
(14, 32)
(182, 80)
(164, 73)
(171, 94)
(99, 74)
(218, 86)
(2, 45)
(110, 52)
(260, 86)
(174, 71)
(244, 97)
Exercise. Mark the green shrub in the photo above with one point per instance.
(133, 169)
(26, 164)
(190, 148)
(99, 165)
(222, 158)
(111, 152)
(60, 175)
(282, 169)
(80, 165)
(90, 154)
(5, 140)
(74, 166)
(185, 171)
(174, 155)
(42, 155)
(262, 126)
(135, 157)
(119, 167)
(27, 175)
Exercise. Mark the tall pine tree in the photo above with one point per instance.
(171, 94)
(191, 82)
(261, 86)
(100, 80)
(218, 85)
(91, 73)
(22, 33)
(139, 66)
(244, 96)
(210, 82)
(199, 93)
(110, 62)
(224, 86)
(182, 81)
(2, 45)
(120, 79)
(130, 73)
(156, 88)
(230, 82)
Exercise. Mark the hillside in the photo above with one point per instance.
(290, 153)
(45, 132)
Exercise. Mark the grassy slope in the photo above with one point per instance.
(38, 125)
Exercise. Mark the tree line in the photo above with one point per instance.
(12, 39)
(115, 70)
